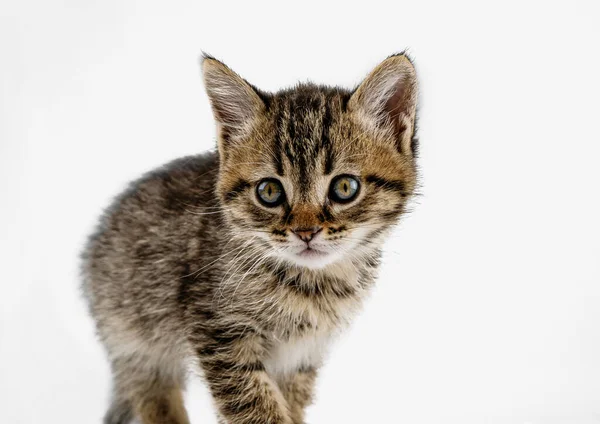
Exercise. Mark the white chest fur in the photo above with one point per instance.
(288, 356)
(327, 317)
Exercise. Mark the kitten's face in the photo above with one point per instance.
(310, 178)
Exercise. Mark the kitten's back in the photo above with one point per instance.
(145, 242)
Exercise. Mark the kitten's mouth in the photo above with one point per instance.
(310, 252)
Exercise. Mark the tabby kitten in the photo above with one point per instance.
(246, 262)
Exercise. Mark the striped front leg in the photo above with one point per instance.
(298, 391)
(234, 371)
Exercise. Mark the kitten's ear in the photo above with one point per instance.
(387, 100)
(235, 103)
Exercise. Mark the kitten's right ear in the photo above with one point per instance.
(234, 102)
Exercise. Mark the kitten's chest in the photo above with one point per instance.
(304, 334)
(305, 317)
(297, 352)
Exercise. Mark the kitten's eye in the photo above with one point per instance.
(270, 192)
(343, 189)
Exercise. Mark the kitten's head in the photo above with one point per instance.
(312, 174)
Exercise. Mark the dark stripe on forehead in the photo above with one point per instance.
(278, 144)
(329, 161)
(278, 159)
(284, 133)
(307, 104)
(287, 148)
(325, 140)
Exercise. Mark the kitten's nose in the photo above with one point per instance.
(307, 234)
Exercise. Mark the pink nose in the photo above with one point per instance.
(307, 234)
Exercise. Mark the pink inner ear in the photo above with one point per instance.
(396, 106)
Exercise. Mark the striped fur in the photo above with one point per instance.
(188, 268)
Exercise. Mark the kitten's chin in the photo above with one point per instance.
(312, 258)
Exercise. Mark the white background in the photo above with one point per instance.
(488, 308)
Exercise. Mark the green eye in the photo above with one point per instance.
(344, 189)
(270, 192)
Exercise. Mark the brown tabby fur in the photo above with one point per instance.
(183, 270)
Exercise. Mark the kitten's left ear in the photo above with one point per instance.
(235, 103)
(387, 100)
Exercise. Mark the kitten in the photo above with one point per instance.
(247, 261)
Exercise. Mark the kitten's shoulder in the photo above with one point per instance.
(159, 197)
(178, 176)
(183, 180)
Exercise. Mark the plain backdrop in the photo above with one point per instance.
(488, 305)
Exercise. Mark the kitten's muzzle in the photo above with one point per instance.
(307, 234)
